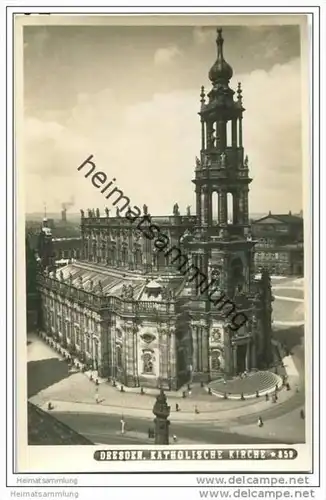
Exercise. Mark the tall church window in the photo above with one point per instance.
(229, 134)
(124, 255)
(215, 360)
(230, 214)
(148, 362)
(215, 207)
(138, 257)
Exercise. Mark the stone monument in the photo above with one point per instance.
(161, 411)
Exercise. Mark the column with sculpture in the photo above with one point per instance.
(161, 411)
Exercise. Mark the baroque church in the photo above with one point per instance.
(128, 309)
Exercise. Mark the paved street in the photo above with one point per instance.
(105, 429)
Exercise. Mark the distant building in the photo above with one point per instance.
(279, 247)
(32, 295)
(45, 250)
(67, 248)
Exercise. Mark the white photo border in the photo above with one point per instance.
(318, 154)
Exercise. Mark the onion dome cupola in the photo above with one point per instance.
(221, 72)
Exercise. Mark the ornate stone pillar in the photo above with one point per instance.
(198, 204)
(205, 346)
(234, 133)
(206, 206)
(240, 132)
(209, 207)
(172, 359)
(194, 348)
(235, 359)
(161, 411)
(248, 357)
(253, 355)
(202, 134)
(236, 201)
(90, 247)
(245, 206)
(221, 134)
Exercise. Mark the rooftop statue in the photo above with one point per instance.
(176, 209)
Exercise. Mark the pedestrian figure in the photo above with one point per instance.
(50, 406)
(189, 393)
(257, 394)
(224, 381)
(209, 391)
(123, 423)
(302, 415)
(267, 397)
(96, 396)
(174, 437)
(288, 387)
(242, 397)
(260, 422)
(177, 407)
(183, 394)
(196, 410)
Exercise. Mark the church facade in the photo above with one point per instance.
(133, 311)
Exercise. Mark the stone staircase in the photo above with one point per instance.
(255, 383)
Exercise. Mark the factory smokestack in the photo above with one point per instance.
(65, 206)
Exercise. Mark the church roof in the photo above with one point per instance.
(114, 281)
(283, 218)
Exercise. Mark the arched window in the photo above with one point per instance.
(215, 214)
(230, 214)
(124, 255)
(215, 360)
(148, 362)
(229, 134)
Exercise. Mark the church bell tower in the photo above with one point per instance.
(222, 168)
(221, 247)
(222, 181)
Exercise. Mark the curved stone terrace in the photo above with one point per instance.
(247, 386)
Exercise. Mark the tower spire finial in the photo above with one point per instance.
(221, 72)
(202, 96)
(219, 43)
(239, 93)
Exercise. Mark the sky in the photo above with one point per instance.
(129, 96)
